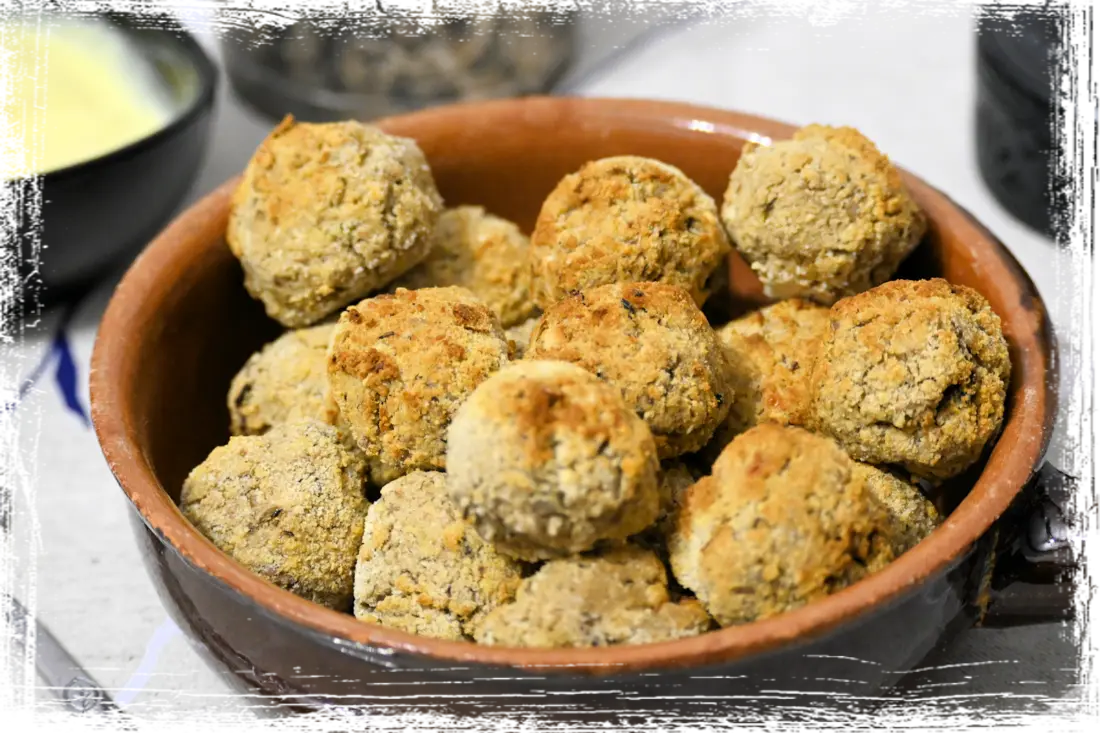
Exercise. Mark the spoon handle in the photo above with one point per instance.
(85, 701)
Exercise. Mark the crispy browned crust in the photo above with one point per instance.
(619, 596)
(770, 353)
(483, 253)
(401, 364)
(653, 343)
(780, 522)
(626, 219)
(326, 213)
(821, 216)
(914, 374)
(424, 570)
(547, 461)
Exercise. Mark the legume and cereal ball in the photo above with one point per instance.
(546, 461)
(652, 342)
(626, 219)
(821, 216)
(673, 482)
(288, 505)
(781, 521)
(282, 382)
(914, 515)
(483, 253)
(399, 367)
(618, 596)
(770, 354)
(912, 374)
(422, 568)
(327, 213)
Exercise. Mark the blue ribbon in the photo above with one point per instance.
(60, 354)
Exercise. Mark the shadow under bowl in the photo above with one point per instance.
(63, 229)
(180, 325)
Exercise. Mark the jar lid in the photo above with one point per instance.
(1021, 47)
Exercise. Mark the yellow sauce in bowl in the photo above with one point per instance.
(100, 95)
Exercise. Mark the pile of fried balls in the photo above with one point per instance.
(472, 434)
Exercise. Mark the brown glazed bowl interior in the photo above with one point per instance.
(180, 324)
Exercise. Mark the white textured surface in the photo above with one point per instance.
(907, 80)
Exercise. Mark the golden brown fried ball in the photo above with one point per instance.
(424, 570)
(328, 212)
(483, 253)
(673, 482)
(770, 354)
(619, 596)
(912, 373)
(626, 219)
(288, 505)
(399, 367)
(821, 216)
(546, 461)
(283, 382)
(653, 343)
(780, 522)
(914, 516)
(672, 485)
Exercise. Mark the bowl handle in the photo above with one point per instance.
(1032, 573)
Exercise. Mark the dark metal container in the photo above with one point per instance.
(1016, 60)
(365, 65)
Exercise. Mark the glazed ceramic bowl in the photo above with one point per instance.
(97, 213)
(180, 324)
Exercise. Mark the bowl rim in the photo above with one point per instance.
(1029, 425)
(198, 58)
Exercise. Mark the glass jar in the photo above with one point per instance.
(329, 59)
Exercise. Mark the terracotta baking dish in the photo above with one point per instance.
(180, 324)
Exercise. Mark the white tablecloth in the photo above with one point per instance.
(901, 70)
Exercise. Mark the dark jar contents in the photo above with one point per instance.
(364, 67)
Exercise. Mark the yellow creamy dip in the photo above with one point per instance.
(99, 95)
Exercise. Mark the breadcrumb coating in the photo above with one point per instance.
(483, 253)
(288, 505)
(653, 343)
(912, 374)
(781, 521)
(546, 461)
(399, 367)
(619, 596)
(327, 213)
(626, 219)
(770, 354)
(283, 382)
(914, 515)
(821, 216)
(424, 570)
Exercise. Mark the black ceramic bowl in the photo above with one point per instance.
(98, 213)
